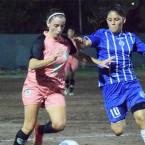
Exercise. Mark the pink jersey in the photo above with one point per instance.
(51, 76)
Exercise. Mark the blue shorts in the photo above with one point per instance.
(119, 97)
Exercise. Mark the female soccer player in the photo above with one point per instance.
(45, 82)
(70, 68)
(120, 87)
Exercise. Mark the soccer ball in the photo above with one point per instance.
(69, 142)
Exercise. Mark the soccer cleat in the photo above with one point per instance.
(66, 91)
(71, 94)
(38, 138)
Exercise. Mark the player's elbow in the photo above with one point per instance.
(31, 67)
(32, 64)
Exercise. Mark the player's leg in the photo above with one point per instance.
(23, 134)
(117, 118)
(72, 82)
(140, 121)
(83, 64)
(57, 123)
(118, 127)
(137, 105)
(115, 106)
(32, 101)
(139, 116)
(55, 106)
(74, 66)
(58, 118)
(67, 79)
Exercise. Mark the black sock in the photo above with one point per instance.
(47, 128)
(71, 88)
(21, 138)
(66, 84)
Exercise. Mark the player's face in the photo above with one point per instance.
(115, 22)
(56, 26)
(70, 33)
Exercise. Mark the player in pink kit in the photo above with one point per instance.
(71, 66)
(45, 80)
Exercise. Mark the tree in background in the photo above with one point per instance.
(96, 15)
(29, 16)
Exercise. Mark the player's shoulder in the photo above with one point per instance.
(41, 37)
(65, 38)
(39, 40)
(130, 34)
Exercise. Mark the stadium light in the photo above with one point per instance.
(132, 3)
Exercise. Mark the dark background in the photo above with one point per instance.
(29, 16)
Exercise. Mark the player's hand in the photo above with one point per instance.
(79, 42)
(104, 62)
(78, 39)
(58, 53)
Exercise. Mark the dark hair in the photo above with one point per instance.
(52, 11)
(72, 28)
(117, 8)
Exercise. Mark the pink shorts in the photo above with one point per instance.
(35, 95)
(72, 64)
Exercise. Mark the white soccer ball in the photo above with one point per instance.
(69, 142)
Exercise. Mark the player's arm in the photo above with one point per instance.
(36, 63)
(139, 46)
(37, 52)
(81, 44)
(83, 57)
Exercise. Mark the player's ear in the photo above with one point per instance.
(124, 20)
(47, 23)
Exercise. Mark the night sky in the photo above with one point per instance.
(29, 16)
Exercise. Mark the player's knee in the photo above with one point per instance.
(140, 118)
(117, 131)
(59, 125)
(118, 127)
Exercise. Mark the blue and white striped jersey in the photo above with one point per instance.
(121, 46)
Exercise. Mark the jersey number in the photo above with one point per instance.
(115, 112)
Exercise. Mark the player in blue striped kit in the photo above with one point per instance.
(120, 87)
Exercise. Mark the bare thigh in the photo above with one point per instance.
(31, 113)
